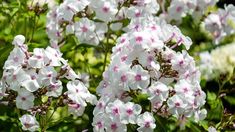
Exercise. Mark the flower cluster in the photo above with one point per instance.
(114, 115)
(180, 8)
(145, 61)
(219, 61)
(221, 23)
(89, 20)
(28, 75)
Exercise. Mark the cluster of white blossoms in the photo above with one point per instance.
(145, 61)
(28, 75)
(89, 20)
(221, 23)
(180, 8)
(219, 61)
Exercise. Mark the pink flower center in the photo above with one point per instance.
(115, 68)
(153, 28)
(100, 105)
(14, 77)
(16, 59)
(23, 98)
(99, 124)
(115, 111)
(147, 124)
(185, 90)
(39, 57)
(27, 125)
(123, 58)
(123, 40)
(49, 75)
(114, 126)
(179, 9)
(150, 59)
(84, 29)
(139, 39)
(33, 77)
(78, 106)
(123, 78)
(105, 9)
(77, 91)
(138, 14)
(52, 87)
(138, 77)
(181, 62)
(157, 92)
(177, 104)
(58, 34)
(129, 111)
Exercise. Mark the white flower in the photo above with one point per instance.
(146, 122)
(54, 56)
(55, 89)
(78, 92)
(15, 59)
(214, 25)
(100, 106)
(38, 60)
(16, 78)
(25, 99)
(18, 40)
(130, 113)
(212, 129)
(76, 108)
(184, 88)
(99, 122)
(85, 30)
(114, 125)
(200, 115)
(176, 105)
(148, 60)
(180, 61)
(31, 84)
(140, 78)
(177, 9)
(158, 91)
(206, 66)
(77, 5)
(220, 23)
(115, 108)
(29, 123)
(105, 9)
(46, 75)
(66, 12)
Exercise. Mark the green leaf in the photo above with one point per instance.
(230, 99)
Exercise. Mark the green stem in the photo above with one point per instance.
(105, 60)
(34, 26)
(106, 50)
(52, 113)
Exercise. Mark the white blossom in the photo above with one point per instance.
(29, 123)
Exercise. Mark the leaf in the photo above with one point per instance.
(230, 99)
